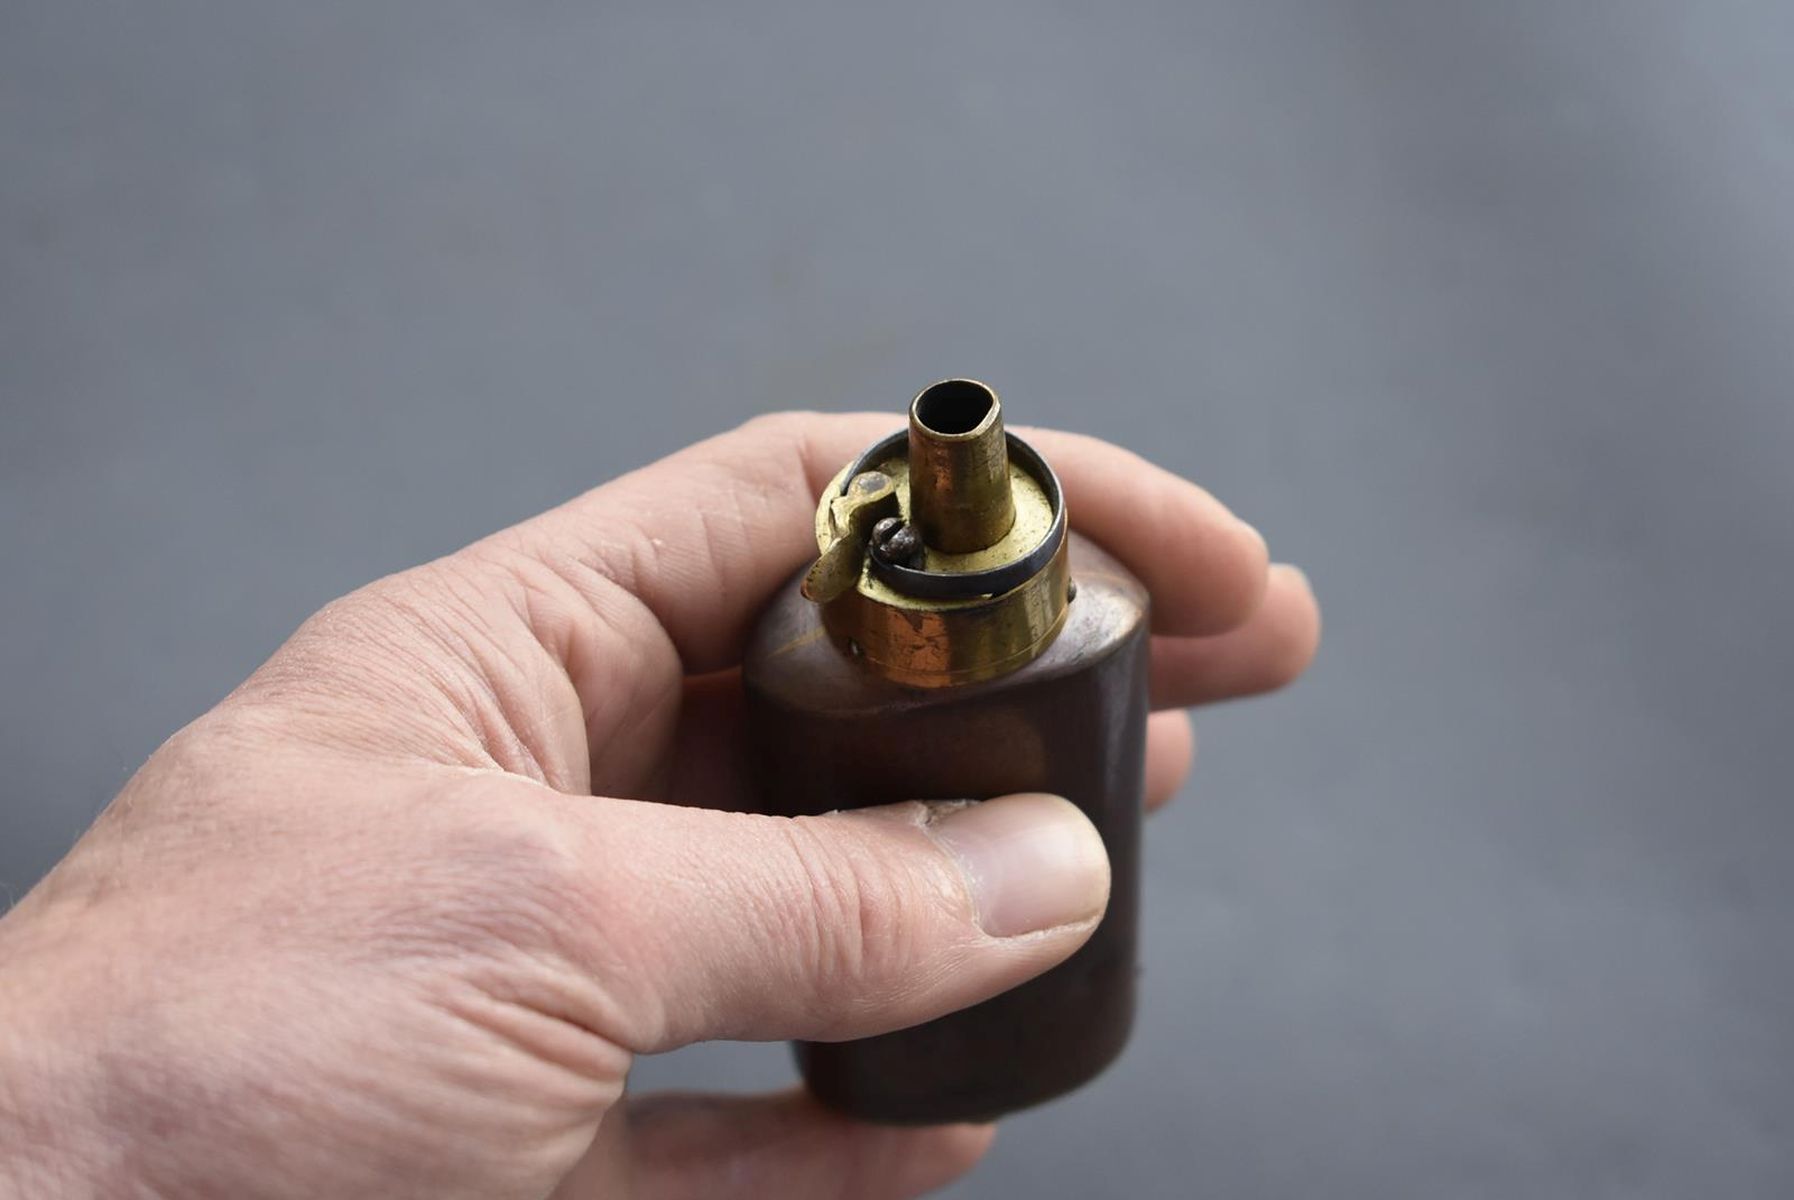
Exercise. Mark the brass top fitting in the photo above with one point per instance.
(942, 549)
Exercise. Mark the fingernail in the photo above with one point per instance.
(1294, 572)
(1033, 861)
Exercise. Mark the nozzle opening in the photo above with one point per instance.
(955, 407)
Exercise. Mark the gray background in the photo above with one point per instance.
(1481, 311)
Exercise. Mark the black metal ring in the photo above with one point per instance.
(963, 585)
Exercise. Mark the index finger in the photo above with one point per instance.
(1205, 568)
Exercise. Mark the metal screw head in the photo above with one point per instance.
(897, 543)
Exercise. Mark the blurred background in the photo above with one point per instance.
(1483, 312)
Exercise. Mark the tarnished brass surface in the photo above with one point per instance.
(936, 643)
(851, 514)
(959, 466)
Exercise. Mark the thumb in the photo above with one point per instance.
(731, 925)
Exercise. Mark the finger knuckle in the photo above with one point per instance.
(494, 878)
(856, 918)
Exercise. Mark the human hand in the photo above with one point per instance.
(394, 918)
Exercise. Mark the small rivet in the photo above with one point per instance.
(1071, 591)
(855, 649)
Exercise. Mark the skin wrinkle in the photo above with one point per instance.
(316, 722)
(492, 690)
(637, 1015)
(848, 916)
(882, 932)
(544, 1028)
(859, 916)
(312, 676)
(242, 1079)
(580, 656)
(453, 941)
(717, 560)
(261, 1082)
(554, 617)
(773, 491)
(515, 686)
(511, 743)
(508, 880)
(47, 1122)
(772, 917)
(721, 527)
(546, 601)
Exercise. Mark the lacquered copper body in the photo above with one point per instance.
(827, 733)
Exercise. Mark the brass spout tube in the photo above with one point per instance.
(959, 467)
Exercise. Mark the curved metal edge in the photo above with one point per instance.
(966, 585)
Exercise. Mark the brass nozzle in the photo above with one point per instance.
(959, 467)
(942, 552)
